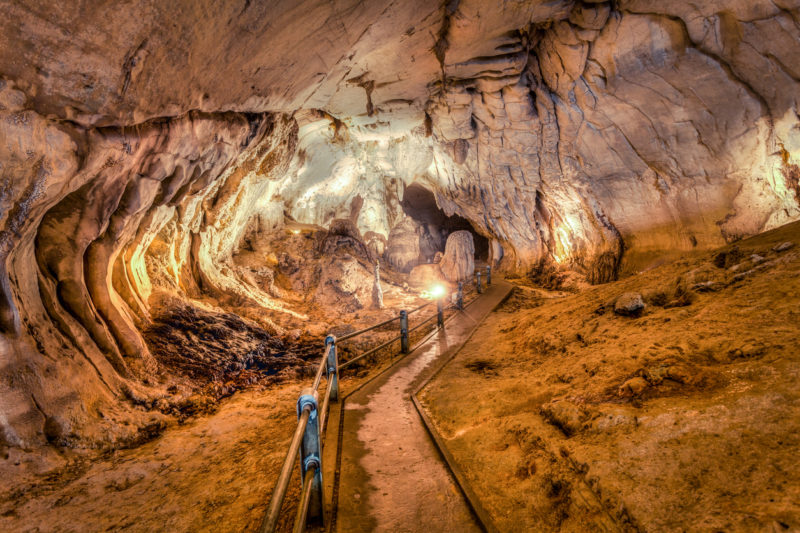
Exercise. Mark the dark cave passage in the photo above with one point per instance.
(420, 204)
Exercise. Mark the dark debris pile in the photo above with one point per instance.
(223, 348)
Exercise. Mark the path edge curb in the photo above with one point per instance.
(474, 502)
(335, 496)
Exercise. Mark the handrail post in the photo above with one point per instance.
(310, 453)
(333, 367)
(403, 331)
(439, 313)
(488, 275)
(478, 283)
(460, 300)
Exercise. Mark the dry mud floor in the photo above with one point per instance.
(565, 416)
(213, 472)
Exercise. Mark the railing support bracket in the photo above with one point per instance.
(333, 367)
(404, 331)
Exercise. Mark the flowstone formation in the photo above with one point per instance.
(142, 145)
(458, 261)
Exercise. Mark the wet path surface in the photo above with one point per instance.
(392, 476)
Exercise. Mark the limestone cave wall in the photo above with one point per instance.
(602, 136)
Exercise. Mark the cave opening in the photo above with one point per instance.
(419, 203)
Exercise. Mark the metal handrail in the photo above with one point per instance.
(321, 369)
(370, 352)
(422, 323)
(366, 330)
(394, 339)
(323, 416)
(305, 498)
(311, 420)
(421, 307)
(279, 493)
(275, 503)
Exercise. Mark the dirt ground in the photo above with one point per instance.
(214, 472)
(566, 416)
(210, 474)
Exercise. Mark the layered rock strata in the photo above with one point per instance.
(140, 143)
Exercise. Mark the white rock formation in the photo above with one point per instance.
(458, 261)
(402, 248)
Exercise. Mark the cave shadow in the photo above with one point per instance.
(420, 204)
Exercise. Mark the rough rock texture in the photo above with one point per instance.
(458, 261)
(79, 210)
(629, 304)
(343, 233)
(344, 284)
(566, 418)
(139, 143)
(402, 247)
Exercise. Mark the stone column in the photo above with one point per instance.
(377, 292)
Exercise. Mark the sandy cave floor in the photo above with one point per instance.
(210, 474)
(567, 417)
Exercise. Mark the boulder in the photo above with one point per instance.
(458, 262)
(402, 247)
(565, 415)
(376, 243)
(344, 233)
(633, 387)
(629, 304)
(344, 284)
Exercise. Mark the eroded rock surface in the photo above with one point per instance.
(141, 144)
(402, 248)
(458, 261)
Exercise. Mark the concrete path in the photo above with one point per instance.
(392, 476)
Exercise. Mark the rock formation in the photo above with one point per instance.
(139, 144)
(377, 290)
(458, 261)
(402, 247)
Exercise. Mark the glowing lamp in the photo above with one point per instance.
(437, 291)
(296, 231)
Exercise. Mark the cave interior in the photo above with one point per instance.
(195, 195)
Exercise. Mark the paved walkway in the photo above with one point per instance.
(392, 476)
